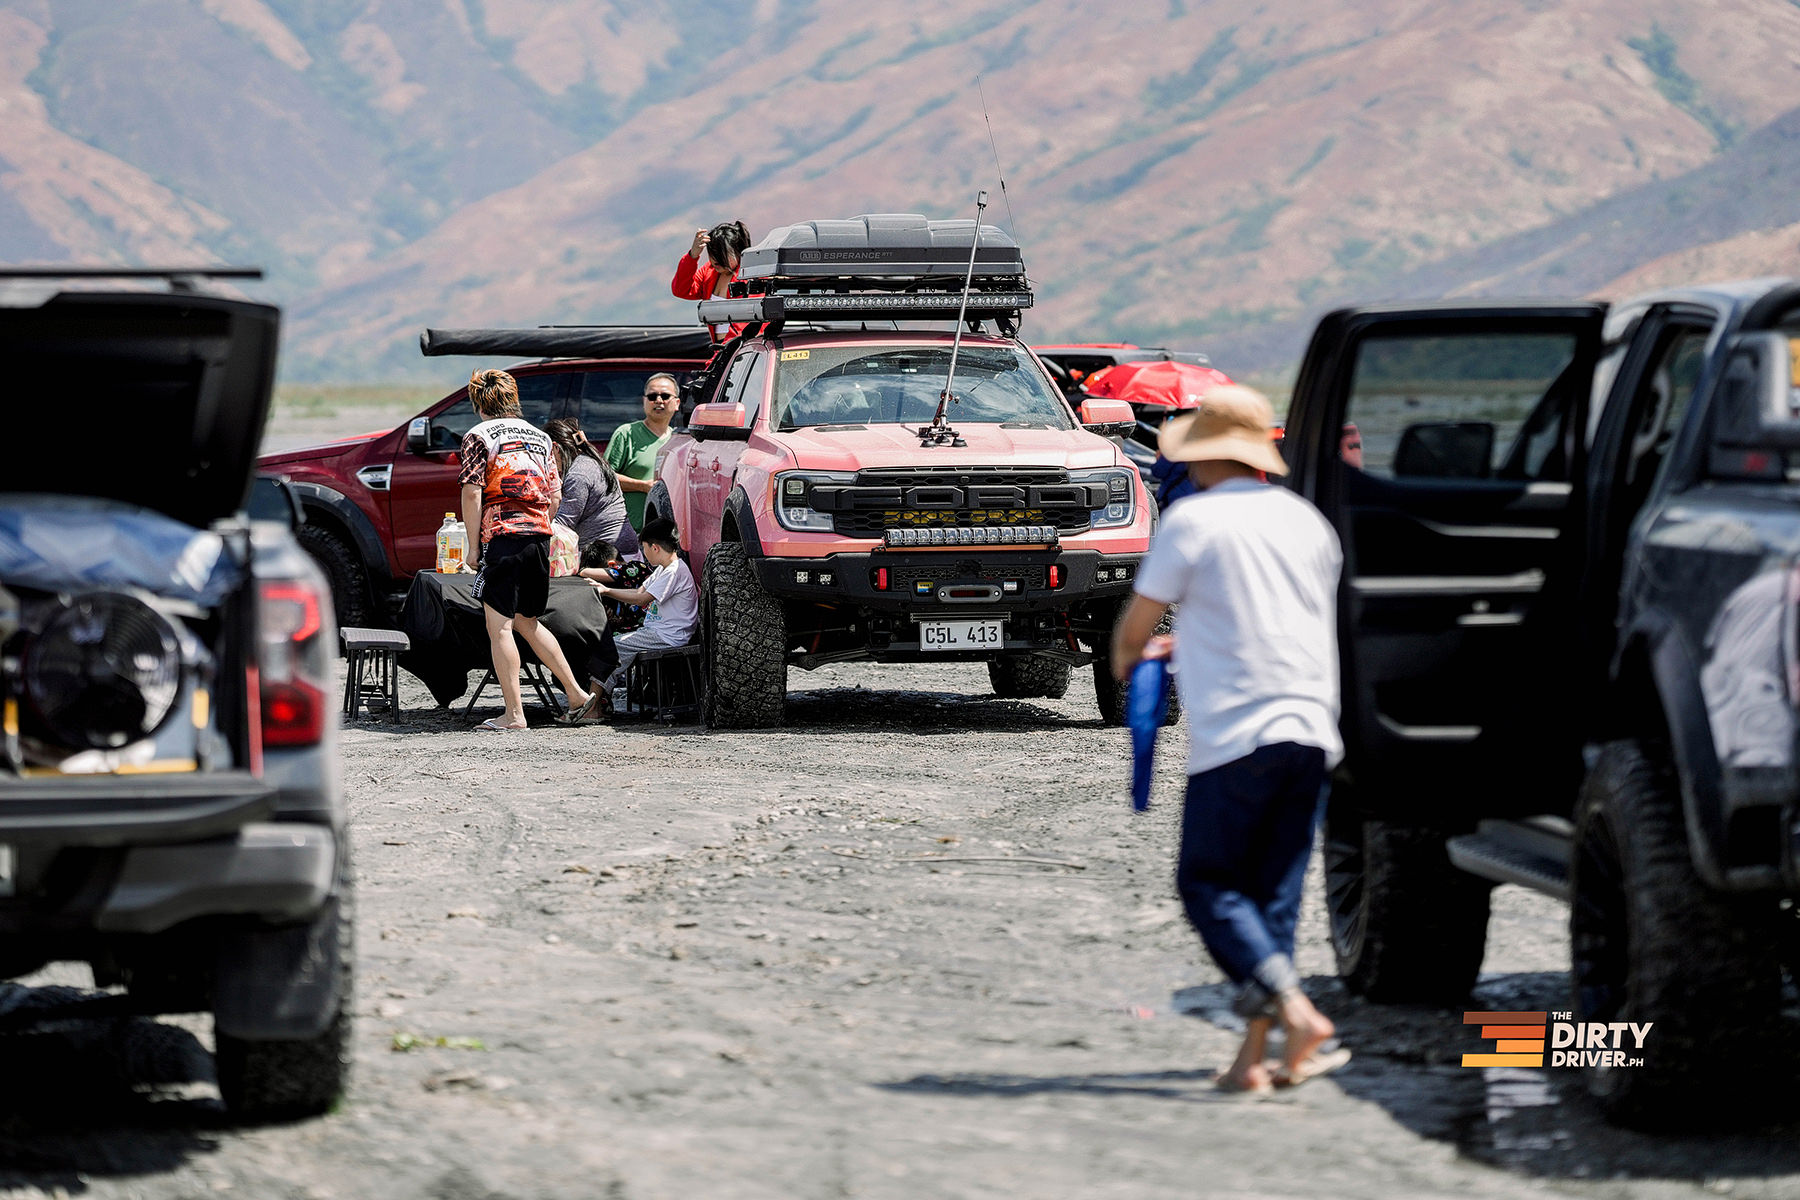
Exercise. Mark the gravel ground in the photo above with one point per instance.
(914, 944)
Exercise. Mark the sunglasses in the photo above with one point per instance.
(659, 395)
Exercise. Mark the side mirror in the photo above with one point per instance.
(718, 421)
(418, 435)
(1108, 418)
(1445, 450)
(1757, 412)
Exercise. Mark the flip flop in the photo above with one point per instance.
(492, 726)
(1321, 1062)
(587, 714)
(1225, 1086)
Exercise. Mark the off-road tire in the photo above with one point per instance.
(1650, 942)
(1407, 926)
(347, 574)
(263, 1080)
(1028, 677)
(745, 651)
(1111, 694)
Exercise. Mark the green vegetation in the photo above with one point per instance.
(315, 400)
(1091, 190)
(1171, 90)
(1658, 51)
(1317, 157)
(1253, 225)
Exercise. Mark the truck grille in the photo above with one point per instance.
(969, 498)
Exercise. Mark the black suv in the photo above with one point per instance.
(170, 807)
(1571, 659)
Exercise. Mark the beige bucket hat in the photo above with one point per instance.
(1232, 422)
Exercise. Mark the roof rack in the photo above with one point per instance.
(883, 266)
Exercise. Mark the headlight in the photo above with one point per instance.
(1121, 496)
(793, 490)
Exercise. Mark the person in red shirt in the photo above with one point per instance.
(710, 266)
(510, 490)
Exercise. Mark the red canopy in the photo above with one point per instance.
(1174, 385)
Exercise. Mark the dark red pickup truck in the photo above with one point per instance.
(373, 503)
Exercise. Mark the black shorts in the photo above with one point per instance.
(514, 579)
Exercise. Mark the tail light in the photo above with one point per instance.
(291, 681)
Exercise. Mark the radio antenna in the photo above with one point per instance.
(1012, 226)
(937, 433)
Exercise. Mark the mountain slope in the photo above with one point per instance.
(1203, 173)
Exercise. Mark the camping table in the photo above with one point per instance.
(449, 633)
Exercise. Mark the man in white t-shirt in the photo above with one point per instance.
(669, 598)
(1253, 569)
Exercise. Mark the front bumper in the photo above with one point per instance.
(965, 581)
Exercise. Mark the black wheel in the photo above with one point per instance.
(1407, 926)
(1649, 942)
(745, 644)
(347, 574)
(1028, 676)
(265, 1080)
(1110, 694)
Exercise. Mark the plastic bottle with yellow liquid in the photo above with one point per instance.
(452, 545)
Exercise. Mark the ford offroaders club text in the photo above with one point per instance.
(1519, 1040)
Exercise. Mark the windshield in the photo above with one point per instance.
(863, 385)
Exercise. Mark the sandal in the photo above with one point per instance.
(1322, 1062)
(587, 714)
(491, 725)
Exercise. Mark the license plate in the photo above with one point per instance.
(981, 634)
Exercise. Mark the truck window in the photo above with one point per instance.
(537, 404)
(863, 385)
(1466, 406)
(609, 399)
(1662, 396)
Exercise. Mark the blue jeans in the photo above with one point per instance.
(1246, 834)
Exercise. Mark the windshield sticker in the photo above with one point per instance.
(795, 355)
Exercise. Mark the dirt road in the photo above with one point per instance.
(915, 944)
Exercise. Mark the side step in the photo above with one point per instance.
(1534, 853)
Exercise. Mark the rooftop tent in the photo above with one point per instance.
(881, 245)
(571, 341)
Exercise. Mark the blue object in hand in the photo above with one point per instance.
(1146, 704)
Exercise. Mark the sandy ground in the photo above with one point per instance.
(914, 944)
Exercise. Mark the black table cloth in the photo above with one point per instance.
(449, 632)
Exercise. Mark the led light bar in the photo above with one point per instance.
(864, 304)
(973, 535)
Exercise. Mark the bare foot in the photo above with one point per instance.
(1255, 1077)
(1306, 1028)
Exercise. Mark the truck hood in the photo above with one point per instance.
(154, 400)
(329, 449)
(852, 448)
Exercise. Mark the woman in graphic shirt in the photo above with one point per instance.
(710, 267)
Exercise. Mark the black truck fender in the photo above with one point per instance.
(1656, 642)
(739, 524)
(334, 509)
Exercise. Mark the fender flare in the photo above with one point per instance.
(740, 514)
(1675, 677)
(354, 521)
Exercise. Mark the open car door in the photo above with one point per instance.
(1462, 539)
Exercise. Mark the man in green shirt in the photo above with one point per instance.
(632, 448)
